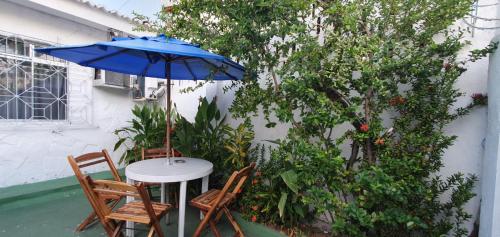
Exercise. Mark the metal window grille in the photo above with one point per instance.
(32, 86)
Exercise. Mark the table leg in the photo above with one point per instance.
(204, 188)
(167, 200)
(162, 193)
(130, 225)
(182, 208)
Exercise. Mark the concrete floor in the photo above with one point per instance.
(57, 214)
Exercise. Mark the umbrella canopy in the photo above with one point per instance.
(149, 56)
(159, 56)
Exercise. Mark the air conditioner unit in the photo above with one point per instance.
(147, 89)
(113, 79)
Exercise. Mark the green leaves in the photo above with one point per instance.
(202, 138)
(208, 137)
(119, 143)
(238, 143)
(146, 130)
(290, 178)
(282, 203)
(323, 69)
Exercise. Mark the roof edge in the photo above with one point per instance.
(84, 12)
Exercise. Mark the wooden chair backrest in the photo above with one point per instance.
(110, 187)
(90, 159)
(237, 179)
(153, 153)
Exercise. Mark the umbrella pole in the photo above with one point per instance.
(168, 113)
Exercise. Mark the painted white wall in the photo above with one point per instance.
(466, 154)
(490, 177)
(36, 151)
(490, 183)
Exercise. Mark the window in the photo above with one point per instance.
(32, 86)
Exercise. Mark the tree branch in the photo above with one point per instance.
(354, 155)
(336, 96)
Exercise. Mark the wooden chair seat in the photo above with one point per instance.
(206, 200)
(136, 212)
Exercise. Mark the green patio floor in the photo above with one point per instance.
(57, 213)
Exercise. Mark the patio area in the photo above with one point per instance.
(55, 208)
(249, 118)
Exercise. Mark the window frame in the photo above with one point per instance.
(32, 59)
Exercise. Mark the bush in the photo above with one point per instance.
(147, 130)
(210, 138)
(366, 87)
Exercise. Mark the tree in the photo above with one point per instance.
(386, 69)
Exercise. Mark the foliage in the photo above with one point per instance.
(238, 143)
(273, 197)
(147, 129)
(208, 137)
(367, 88)
(204, 137)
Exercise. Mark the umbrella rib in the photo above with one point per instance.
(103, 57)
(213, 65)
(178, 58)
(189, 69)
(146, 68)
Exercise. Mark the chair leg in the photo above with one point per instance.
(108, 227)
(176, 200)
(202, 225)
(214, 228)
(233, 222)
(91, 218)
(118, 229)
(149, 192)
(156, 227)
(218, 216)
(111, 226)
(151, 232)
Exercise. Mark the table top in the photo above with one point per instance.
(159, 171)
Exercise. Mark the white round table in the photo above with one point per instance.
(159, 171)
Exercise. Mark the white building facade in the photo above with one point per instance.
(49, 108)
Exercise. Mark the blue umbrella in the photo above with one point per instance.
(159, 56)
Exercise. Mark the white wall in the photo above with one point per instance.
(490, 195)
(36, 151)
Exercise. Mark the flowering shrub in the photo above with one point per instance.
(367, 92)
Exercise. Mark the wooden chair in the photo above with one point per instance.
(141, 211)
(154, 153)
(214, 202)
(91, 159)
